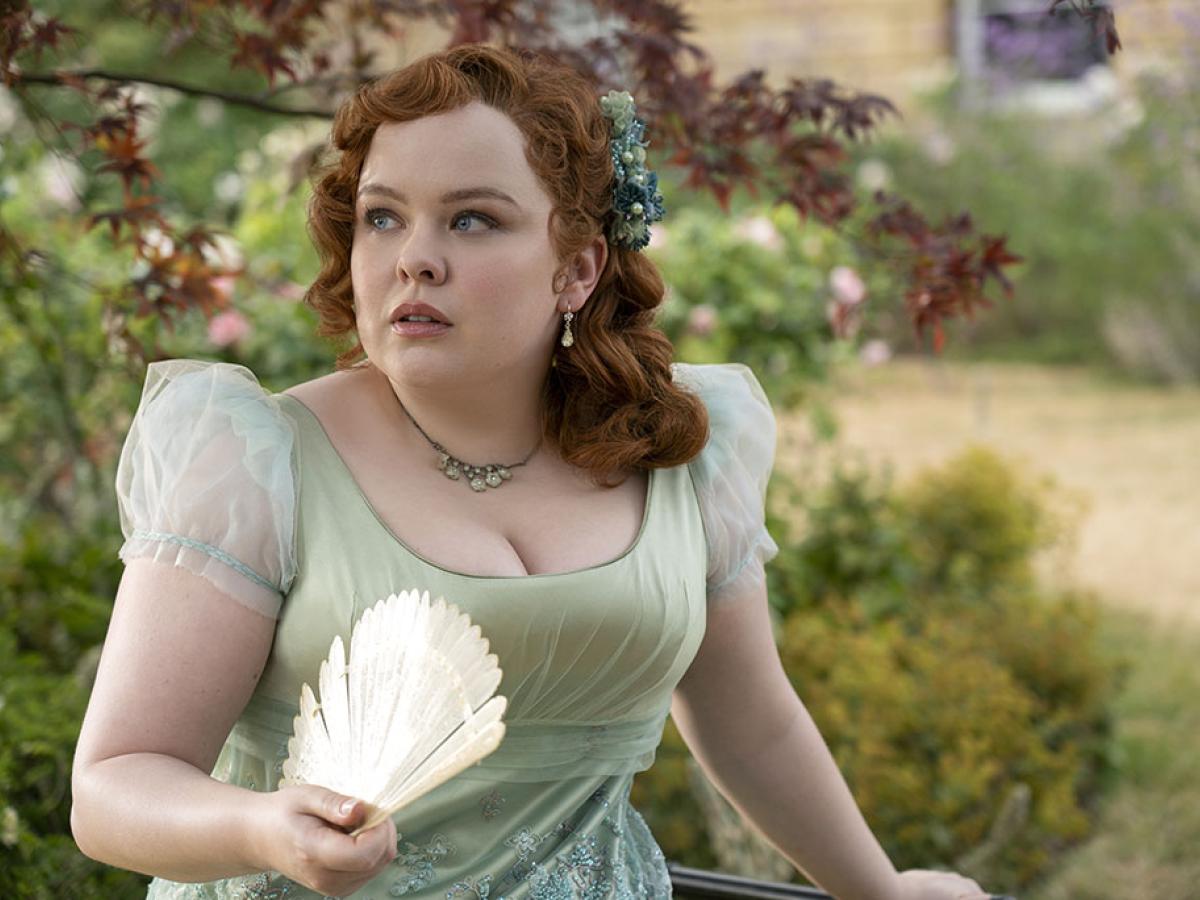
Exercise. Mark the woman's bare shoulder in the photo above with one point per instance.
(329, 390)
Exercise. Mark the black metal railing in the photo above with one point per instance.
(701, 884)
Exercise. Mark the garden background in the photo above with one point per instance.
(984, 592)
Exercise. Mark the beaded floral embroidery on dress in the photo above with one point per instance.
(420, 860)
(480, 890)
(491, 804)
(585, 871)
(260, 886)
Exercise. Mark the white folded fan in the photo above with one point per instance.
(409, 711)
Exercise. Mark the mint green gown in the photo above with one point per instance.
(244, 488)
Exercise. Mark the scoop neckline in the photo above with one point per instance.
(651, 480)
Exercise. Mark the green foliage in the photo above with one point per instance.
(753, 289)
(856, 544)
(932, 726)
(55, 600)
(279, 343)
(987, 536)
(1106, 213)
(969, 528)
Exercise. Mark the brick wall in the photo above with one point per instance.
(894, 46)
(884, 46)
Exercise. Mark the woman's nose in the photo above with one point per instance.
(420, 259)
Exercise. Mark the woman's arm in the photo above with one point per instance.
(756, 741)
(180, 662)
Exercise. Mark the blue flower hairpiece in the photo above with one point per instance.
(636, 200)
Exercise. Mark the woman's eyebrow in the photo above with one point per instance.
(448, 197)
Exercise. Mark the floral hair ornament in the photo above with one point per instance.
(636, 200)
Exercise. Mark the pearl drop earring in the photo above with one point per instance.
(567, 338)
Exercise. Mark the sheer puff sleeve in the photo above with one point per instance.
(206, 480)
(731, 474)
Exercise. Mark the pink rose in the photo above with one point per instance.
(290, 290)
(847, 287)
(759, 230)
(227, 327)
(702, 319)
(223, 285)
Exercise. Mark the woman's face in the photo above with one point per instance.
(432, 225)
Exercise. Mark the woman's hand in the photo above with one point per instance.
(928, 884)
(300, 831)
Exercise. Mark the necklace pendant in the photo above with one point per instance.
(480, 478)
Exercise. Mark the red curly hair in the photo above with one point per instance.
(609, 403)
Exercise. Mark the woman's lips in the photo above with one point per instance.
(419, 329)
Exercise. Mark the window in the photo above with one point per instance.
(1015, 53)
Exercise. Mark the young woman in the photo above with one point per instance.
(508, 432)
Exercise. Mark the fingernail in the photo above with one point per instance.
(348, 807)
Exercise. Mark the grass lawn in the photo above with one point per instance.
(1126, 457)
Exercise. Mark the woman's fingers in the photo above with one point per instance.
(340, 852)
(309, 842)
(931, 884)
(338, 809)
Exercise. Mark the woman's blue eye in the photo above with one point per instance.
(374, 214)
(471, 214)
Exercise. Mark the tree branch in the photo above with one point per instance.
(248, 100)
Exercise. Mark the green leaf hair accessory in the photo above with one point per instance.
(636, 200)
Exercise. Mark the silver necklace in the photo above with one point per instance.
(480, 478)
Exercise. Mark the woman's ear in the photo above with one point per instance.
(575, 285)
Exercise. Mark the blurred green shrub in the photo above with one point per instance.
(754, 288)
(55, 600)
(986, 539)
(855, 544)
(932, 726)
(969, 529)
